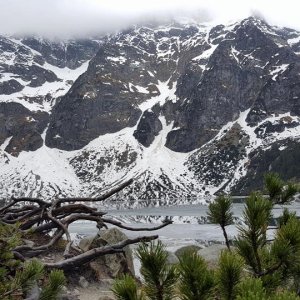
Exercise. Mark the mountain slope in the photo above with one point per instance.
(185, 109)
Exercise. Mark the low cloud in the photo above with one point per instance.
(63, 18)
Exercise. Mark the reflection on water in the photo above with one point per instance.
(194, 210)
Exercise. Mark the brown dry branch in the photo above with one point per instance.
(36, 216)
(86, 257)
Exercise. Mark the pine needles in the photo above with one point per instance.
(159, 276)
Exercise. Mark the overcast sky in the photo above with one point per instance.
(69, 17)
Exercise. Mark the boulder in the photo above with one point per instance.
(212, 253)
(172, 258)
(112, 265)
(83, 282)
(148, 127)
(33, 293)
(181, 250)
(85, 243)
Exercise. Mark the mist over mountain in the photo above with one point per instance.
(81, 18)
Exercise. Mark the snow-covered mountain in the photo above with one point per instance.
(185, 109)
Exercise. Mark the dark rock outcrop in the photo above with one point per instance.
(62, 54)
(148, 127)
(232, 82)
(282, 157)
(22, 126)
(10, 87)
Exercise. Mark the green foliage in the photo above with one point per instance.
(286, 246)
(252, 236)
(288, 193)
(220, 212)
(251, 289)
(285, 295)
(9, 238)
(16, 277)
(274, 186)
(276, 263)
(30, 272)
(279, 192)
(229, 274)
(256, 215)
(125, 288)
(196, 281)
(159, 276)
(285, 217)
(56, 281)
(258, 269)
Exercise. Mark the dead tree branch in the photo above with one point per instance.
(96, 252)
(120, 225)
(38, 217)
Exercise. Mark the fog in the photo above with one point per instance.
(63, 18)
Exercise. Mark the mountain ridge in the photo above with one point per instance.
(185, 110)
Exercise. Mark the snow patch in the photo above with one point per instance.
(293, 41)
(120, 59)
(206, 54)
(278, 70)
(55, 89)
(166, 94)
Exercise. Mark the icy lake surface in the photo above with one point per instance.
(176, 235)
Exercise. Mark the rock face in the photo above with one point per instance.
(91, 108)
(232, 82)
(109, 266)
(149, 126)
(23, 127)
(36, 70)
(280, 158)
(70, 54)
(10, 86)
(185, 109)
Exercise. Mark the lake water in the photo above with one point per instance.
(176, 235)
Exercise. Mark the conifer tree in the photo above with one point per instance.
(251, 289)
(229, 274)
(252, 235)
(125, 288)
(56, 281)
(257, 268)
(278, 191)
(159, 277)
(195, 281)
(220, 212)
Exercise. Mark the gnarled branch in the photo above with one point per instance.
(96, 252)
(37, 216)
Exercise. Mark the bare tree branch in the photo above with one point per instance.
(120, 225)
(100, 198)
(96, 252)
(37, 216)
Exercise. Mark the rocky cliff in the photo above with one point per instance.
(185, 109)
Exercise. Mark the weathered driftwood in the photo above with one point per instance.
(37, 216)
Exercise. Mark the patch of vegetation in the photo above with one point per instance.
(254, 267)
(17, 276)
